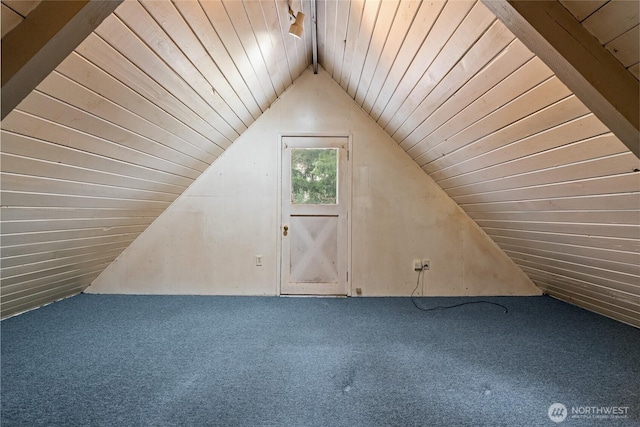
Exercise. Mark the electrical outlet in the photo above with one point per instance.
(426, 264)
(417, 264)
(258, 260)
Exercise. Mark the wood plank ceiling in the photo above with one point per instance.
(614, 24)
(124, 125)
(161, 89)
(14, 12)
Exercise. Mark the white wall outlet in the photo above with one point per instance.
(426, 264)
(258, 260)
(417, 264)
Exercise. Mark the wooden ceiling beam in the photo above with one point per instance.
(580, 62)
(43, 40)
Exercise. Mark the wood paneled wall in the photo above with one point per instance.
(492, 125)
(161, 89)
(124, 125)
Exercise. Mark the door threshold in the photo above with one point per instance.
(311, 296)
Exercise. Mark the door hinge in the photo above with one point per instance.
(347, 155)
(347, 276)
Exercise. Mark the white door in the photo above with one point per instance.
(314, 216)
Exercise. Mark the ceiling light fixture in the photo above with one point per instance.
(296, 28)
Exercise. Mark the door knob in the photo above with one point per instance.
(286, 230)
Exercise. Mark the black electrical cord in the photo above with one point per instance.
(413, 300)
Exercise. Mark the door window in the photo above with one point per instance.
(314, 176)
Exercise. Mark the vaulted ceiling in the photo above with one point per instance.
(160, 89)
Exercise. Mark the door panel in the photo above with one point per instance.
(314, 249)
(314, 215)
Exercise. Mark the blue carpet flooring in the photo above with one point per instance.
(98, 360)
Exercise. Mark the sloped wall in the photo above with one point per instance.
(206, 242)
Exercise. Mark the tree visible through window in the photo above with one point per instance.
(314, 176)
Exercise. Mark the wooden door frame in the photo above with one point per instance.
(349, 183)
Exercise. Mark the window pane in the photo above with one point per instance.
(314, 176)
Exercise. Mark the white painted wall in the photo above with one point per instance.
(206, 242)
